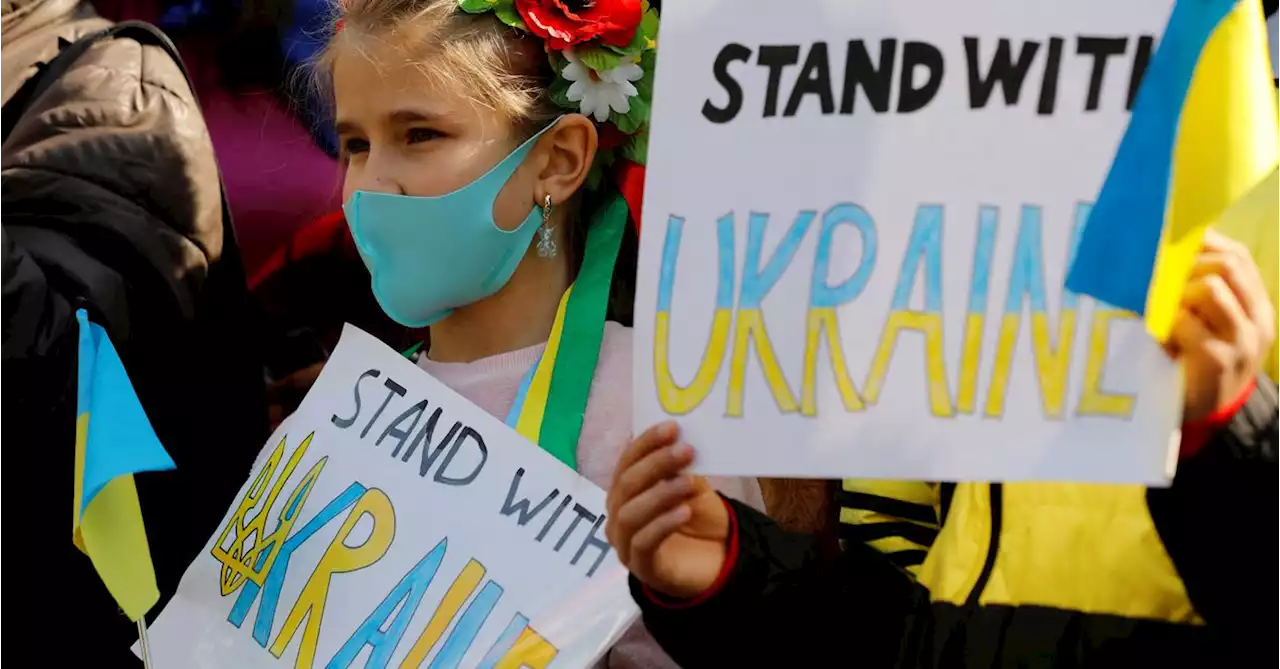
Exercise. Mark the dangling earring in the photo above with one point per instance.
(546, 245)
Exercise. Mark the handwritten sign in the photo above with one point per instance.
(858, 217)
(390, 521)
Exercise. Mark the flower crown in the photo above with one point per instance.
(602, 52)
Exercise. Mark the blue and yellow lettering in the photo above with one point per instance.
(1094, 399)
(1026, 284)
(275, 578)
(926, 244)
(975, 319)
(757, 281)
(464, 633)
(823, 300)
(505, 641)
(405, 597)
(675, 399)
(461, 588)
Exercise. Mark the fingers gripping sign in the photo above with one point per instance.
(1224, 328)
(668, 527)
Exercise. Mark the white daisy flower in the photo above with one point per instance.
(598, 93)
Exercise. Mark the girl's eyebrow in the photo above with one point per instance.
(399, 116)
(414, 116)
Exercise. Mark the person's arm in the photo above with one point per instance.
(781, 601)
(1220, 516)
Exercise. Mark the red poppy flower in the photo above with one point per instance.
(564, 23)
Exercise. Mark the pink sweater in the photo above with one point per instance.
(491, 383)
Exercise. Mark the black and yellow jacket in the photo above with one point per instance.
(1012, 575)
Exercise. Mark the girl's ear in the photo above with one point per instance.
(570, 148)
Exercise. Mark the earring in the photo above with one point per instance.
(546, 245)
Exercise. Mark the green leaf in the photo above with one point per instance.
(649, 61)
(649, 26)
(637, 148)
(644, 87)
(632, 49)
(598, 59)
(507, 14)
(559, 92)
(633, 120)
(478, 6)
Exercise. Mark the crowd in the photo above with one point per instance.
(217, 193)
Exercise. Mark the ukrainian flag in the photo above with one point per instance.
(1254, 220)
(1203, 133)
(114, 440)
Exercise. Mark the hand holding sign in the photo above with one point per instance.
(1224, 328)
(668, 527)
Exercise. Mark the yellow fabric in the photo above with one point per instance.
(529, 425)
(914, 492)
(951, 569)
(1082, 547)
(1254, 220)
(111, 533)
(1227, 142)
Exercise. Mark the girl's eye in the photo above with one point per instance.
(417, 135)
(354, 145)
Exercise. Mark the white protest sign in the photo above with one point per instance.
(391, 522)
(858, 217)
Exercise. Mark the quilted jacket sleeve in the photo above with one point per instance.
(111, 195)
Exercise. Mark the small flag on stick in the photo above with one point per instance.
(114, 440)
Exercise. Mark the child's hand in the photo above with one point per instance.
(1224, 328)
(669, 528)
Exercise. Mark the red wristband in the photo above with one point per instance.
(730, 561)
(1195, 435)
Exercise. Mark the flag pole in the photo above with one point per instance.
(142, 642)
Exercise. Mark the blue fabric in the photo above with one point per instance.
(120, 438)
(300, 43)
(189, 14)
(1118, 247)
(302, 40)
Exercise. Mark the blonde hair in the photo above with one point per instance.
(497, 67)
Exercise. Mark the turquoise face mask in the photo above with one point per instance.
(431, 255)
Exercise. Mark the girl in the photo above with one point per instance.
(478, 137)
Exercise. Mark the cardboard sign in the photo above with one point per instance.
(858, 219)
(391, 522)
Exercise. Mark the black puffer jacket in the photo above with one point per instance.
(111, 201)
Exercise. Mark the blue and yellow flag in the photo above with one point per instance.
(1254, 220)
(1203, 133)
(114, 440)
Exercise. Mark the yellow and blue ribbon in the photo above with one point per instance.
(114, 441)
(1202, 134)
